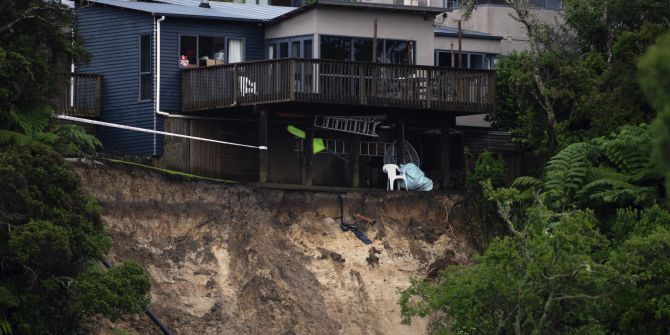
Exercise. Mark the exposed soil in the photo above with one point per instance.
(237, 259)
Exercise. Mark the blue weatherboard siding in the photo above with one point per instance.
(111, 36)
(172, 28)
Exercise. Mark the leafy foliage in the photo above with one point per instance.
(480, 210)
(585, 251)
(655, 79)
(51, 239)
(589, 73)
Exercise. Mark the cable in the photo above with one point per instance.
(120, 126)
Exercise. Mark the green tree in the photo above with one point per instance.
(51, 242)
(655, 79)
(582, 73)
(570, 262)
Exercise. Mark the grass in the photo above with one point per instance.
(168, 172)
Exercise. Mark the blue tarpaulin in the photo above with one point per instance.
(416, 179)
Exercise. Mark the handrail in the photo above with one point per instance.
(329, 81)
(80, 95)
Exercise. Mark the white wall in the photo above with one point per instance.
(496, 20)
(359, 23)
(469, 45)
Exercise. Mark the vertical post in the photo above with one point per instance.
(355, 161)
(400, 142)
(308, 151)
(262, 141)
(460, 45)
(291, 78)
(429, 87)
(236, 86)
(445, 159)
(374, 42)
(98, 97)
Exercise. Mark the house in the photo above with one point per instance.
(350, 79)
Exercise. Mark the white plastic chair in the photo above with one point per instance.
(393, 172)
(247, 86)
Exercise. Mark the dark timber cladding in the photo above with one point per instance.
(171, 30)
(463, 91)
(111, 36)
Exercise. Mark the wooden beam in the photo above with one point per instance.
(400, 142)
(262, 141)
(355, 161)
(308, 151)
(445, 159)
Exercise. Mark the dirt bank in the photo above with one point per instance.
(235, 259)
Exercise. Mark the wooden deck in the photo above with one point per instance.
(80, 95)
(460, 91)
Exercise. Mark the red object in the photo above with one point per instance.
(183, 61)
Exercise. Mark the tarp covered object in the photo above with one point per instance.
(416, 179)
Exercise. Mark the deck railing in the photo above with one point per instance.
(80, 95)
(324, 81)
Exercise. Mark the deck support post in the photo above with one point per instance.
(355, 161)
(308, 152)
(445, 157)
(400, 142)
(262, 141)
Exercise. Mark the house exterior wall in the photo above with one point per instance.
(496, 20)
(468, 45)
(359, 23)
(111, 36)
(173, 28)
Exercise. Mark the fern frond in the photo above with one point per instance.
(527, 182)
(629, 149)
(568, 170)
(616, 192)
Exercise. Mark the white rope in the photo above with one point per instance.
(120, 126)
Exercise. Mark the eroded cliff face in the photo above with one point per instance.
(236, 259)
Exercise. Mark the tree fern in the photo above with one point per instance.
(628, 150)
(568, 171)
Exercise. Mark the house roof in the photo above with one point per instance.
(453, 32)
(358, 5)
(187, 8)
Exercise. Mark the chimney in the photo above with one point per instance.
(204, 3)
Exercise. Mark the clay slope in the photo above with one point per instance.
(235, 259)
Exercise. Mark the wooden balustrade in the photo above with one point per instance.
(80, 95)
(324, 81)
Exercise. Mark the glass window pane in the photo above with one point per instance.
(295, 49)
(271, 51)
(363, 50)
(211, 48)
(307, 48)
(476, 61)
(397, 52)
(444, 59)
(235, 50)
(335, 48)
(188, 46)
(145, 53)
(283, 50)
(145, 86)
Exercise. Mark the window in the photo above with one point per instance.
(307, 49)
(145, 78)
(360, 50)
(291, 47)
(188, 46)
(235, 50)
(470, 60)
(210, 50)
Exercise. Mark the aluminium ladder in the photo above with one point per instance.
(362, 125)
